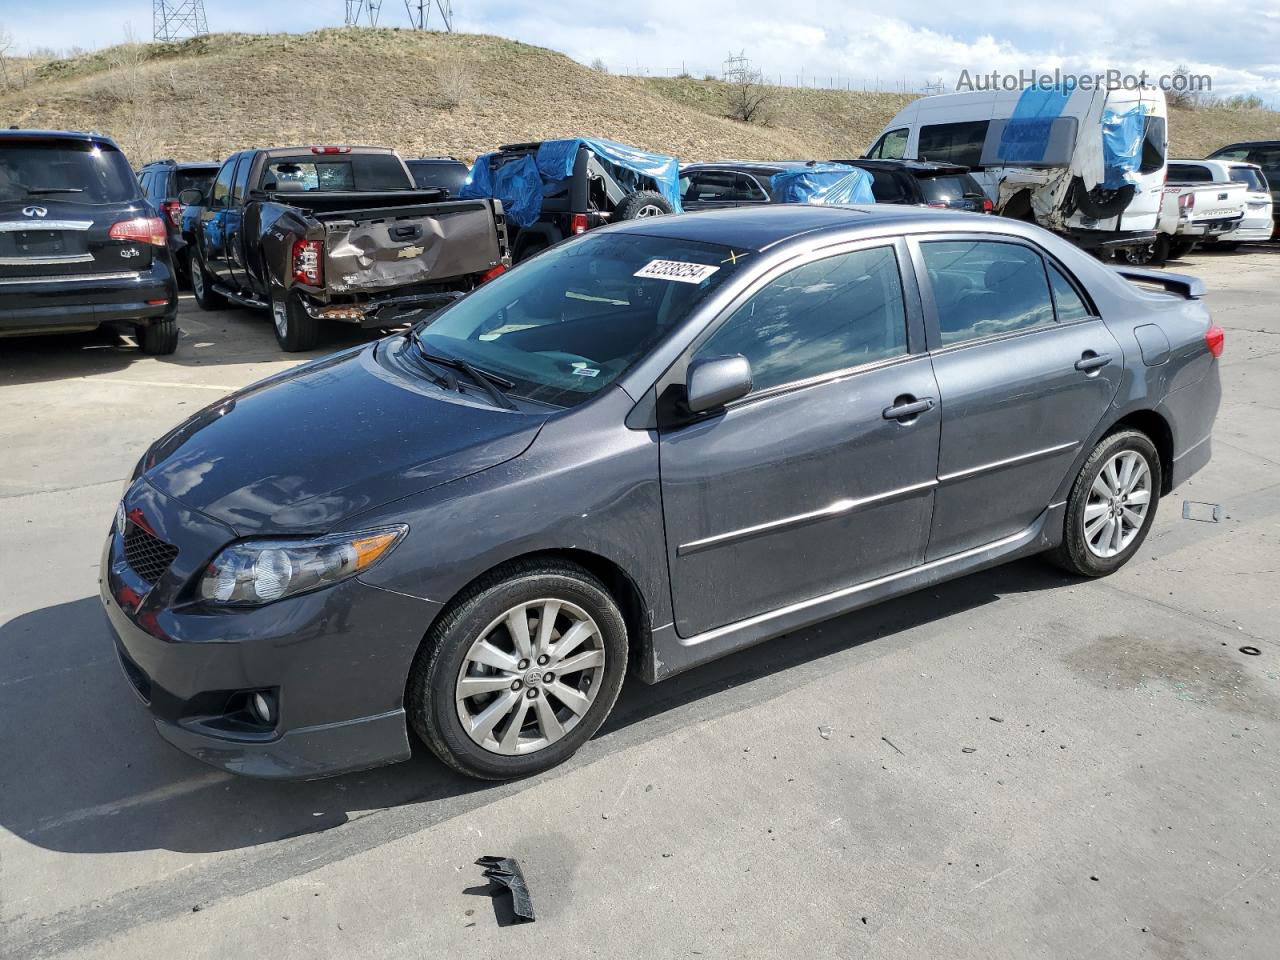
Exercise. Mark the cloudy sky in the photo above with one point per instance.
(1235, 42)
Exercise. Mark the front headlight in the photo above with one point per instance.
(260, 571)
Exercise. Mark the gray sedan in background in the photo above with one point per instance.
(646, 447)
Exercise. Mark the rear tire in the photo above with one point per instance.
(202, 286)
(447, 658)
(1180, 248)
(158, 339)
(295, 329)
(643, 204)
(1097, 502)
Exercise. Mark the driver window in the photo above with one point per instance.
(828, 315)
(222, 185)
(891, 146)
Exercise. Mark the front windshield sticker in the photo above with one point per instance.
(586, 371)
(676, 270)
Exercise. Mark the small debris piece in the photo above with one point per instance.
(892, 744)
(196, 908)
(1249, 651)
(824, 733)
(1201, 512)
(968, 749)
(506, 871)
(1094, 879)
(997, 719)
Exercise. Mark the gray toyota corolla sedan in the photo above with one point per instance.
(645, 448)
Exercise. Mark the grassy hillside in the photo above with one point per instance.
(448, 93)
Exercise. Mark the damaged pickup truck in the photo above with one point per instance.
(337, 233)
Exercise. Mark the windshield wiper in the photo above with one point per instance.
(440, 376)
(32, 191)
(491, 382)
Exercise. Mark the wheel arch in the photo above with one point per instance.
(1157, 428)
(620, 584)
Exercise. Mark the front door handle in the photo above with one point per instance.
(907, 408)
(1090, 361)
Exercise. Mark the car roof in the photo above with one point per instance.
(208, 164)
(911, 166)
(82, 136)
(1246, 143)
(762, 227)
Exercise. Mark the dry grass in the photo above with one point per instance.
(452, 93)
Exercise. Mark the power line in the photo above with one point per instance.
(175, 19)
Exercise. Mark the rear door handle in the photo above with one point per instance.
(907, 408)
(1092, 361)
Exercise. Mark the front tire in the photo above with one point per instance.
(295, 329)
(202, 286)
(1112, 505)
(520, 671)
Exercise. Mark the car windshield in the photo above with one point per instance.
(564, 325)
(1250, 177)
(445, 176)
(949, 187)
(78, 170)
(200, 180)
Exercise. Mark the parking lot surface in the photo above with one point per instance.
(1015, 764)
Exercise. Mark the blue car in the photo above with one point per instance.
(643, 449)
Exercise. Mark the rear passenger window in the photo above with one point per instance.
(959, 143)
(832, 314)
(984, 288)
(1068, 304)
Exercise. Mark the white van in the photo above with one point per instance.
(1088, 164)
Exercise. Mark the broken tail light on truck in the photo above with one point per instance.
(578, 223)
(308, 267)
(140, 230)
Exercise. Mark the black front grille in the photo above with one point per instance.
(147, 554)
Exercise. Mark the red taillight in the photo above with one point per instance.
(330, 149)
(1187, 201)
(494, 272)
(578, 223)
(987, 205)
(173, 210)
(938, 205)
(139, 230)
(1215, 339)
(308, 267)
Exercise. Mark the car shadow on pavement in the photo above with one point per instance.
(227, 337)
(86, 772)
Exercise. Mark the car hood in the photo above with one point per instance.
(304, 449)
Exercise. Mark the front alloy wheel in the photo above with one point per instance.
(530, 677)
(519, 670)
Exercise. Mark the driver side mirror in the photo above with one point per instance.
(716, 381)
(191, 197)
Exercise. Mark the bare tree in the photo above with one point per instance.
(6, 44)
(748, 98)
(453, 83)
(599, 66)
(1180, 93)
(128, 86)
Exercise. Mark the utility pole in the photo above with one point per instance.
(368, 9)
(420, 13)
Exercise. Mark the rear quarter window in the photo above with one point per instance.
(958, 143)
(948, 188)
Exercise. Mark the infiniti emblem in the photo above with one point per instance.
(34, 212)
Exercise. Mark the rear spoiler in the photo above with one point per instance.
(1183, 284)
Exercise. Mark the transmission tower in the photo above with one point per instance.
(175, 19)
(420, 13)
(736, 68)
(367, 9)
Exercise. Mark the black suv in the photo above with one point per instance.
(79, 244)
(731, 183)
(162, 181)
(924, 183)
(438, 173)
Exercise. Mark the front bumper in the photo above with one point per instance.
(39, 304)
(335, 661)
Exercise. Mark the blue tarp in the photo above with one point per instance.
(515, 183)
(521, 182)
(1121, 146)
(822, 183)
(626, 163)
(1026, 133)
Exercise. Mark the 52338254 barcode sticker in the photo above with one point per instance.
(676, 270)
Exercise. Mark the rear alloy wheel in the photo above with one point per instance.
(202, 286)
(159, 338)
(1112, 505)
(295, 329)
(520, 672)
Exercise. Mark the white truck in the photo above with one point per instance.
(1200, 205)
(1085, 163)
(1256, 225)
